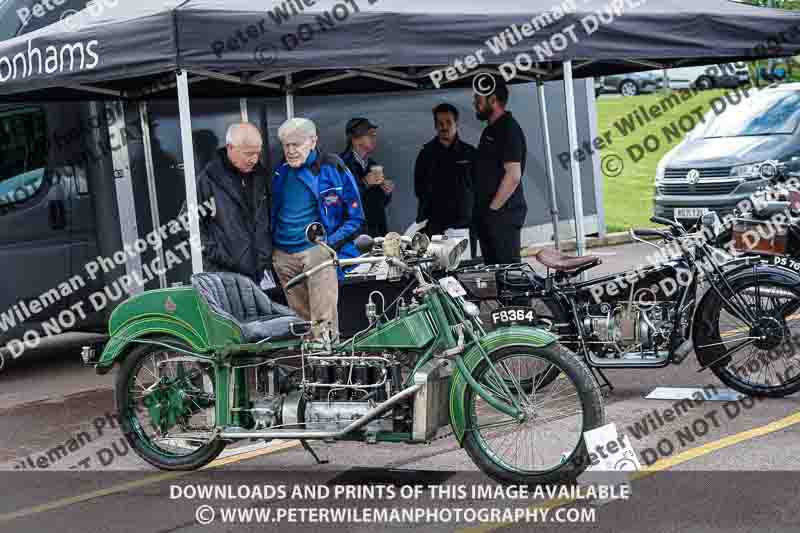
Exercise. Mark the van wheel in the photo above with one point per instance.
(704, 83)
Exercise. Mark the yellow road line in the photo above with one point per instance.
(666, 463)
(724, 442)
(252, 454)
(123, 487)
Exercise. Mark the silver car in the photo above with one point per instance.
(629, 84)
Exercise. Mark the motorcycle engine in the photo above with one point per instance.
(637, 328)
(342, 390)
(334, 391)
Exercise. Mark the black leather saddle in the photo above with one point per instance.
(239, 299)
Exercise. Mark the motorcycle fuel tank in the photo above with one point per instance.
(646, 285)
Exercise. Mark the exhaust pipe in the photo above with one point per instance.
(293, 434)
(771, 293)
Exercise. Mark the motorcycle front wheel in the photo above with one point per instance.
(166, 405)
(548, 447)
(547, 314)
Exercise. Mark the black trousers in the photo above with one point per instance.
(500, 239)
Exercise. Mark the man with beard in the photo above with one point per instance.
(443, 176)
(500, 206)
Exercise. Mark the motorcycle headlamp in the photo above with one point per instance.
(447, 252)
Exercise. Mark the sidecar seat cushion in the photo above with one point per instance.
(240, 300)
(276, 328)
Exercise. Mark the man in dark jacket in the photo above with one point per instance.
(375, 189)
(238, 237)
(443, 176)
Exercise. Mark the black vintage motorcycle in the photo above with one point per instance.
(769, 223)
(738, 314)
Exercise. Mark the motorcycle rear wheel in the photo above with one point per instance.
(486, 439)
(770, 367)
(138, 372)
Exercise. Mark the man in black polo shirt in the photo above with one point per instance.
(500, 206)
(443, 176)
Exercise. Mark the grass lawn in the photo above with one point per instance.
(629, 195)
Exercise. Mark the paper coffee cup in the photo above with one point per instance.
(377, 169)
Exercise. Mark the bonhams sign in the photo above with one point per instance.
(35, 60)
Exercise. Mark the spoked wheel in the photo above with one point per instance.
(546, 316)
(166, 404)
(547, 447)
(759, 352)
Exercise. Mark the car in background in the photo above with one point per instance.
(716, 165)
(629, 84)
(727, 75)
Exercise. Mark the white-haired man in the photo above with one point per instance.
(308, 187)
(238, 237)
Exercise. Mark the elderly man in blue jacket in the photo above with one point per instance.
(312, 186)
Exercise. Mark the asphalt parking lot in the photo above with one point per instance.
(733, 475)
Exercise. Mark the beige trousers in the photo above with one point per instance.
(318, 297)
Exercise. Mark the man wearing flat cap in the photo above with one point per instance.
(374, 188)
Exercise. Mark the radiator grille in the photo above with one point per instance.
(680, 173)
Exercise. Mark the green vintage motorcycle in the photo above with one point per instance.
(217, 362)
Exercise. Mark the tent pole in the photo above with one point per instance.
(187, 143)
(577, 192)
(597, 174)
(121, 160)
(549, 159)
(144, 116)
(243, 109)
(289, 97)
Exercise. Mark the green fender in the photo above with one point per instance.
(177, 312)
(499, 338)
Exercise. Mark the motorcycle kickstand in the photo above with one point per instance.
(595, 372)
(310, 450)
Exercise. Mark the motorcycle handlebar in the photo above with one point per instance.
(343, 262)
(663, 221)
(677, 229)
(296, 281)
(648, 232)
